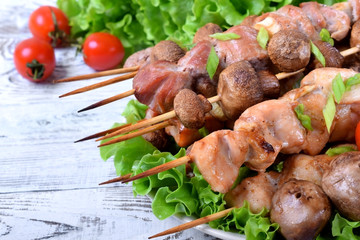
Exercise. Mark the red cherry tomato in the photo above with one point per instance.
(43, 26)
(357, 135)
(102, 51)
(34, 59)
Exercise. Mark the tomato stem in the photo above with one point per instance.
(37, 69)
(57, 36)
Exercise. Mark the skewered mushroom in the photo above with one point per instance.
(239, 88)
(301, 208)
(289, 50)
(341, 183)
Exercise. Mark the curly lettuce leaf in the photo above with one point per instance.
(254, 226)
(344, 229)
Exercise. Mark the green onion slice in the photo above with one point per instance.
(304, 119)
(338, 87)
(319, 56)
(339, 150)
(225, 36)
(329, 112)
(212, 63)
(263, 37)
(351, 81)
(325, 36)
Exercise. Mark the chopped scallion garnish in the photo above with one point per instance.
(319, 56)
(225, 36)
(304, 119)
(326, 37)
(329, 112)
(212, 63)
(338, 87)
(263, 37)
(339, 150)
(351, 81)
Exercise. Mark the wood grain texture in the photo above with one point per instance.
(49, 185)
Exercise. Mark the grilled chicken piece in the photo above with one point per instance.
(257, 191)
(305, 167)
(287, 18)
(335, 21)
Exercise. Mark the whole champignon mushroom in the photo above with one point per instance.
(333, 57)
(289, 50)
(239, 88)
(204, 32)
(355, 34)
(167, 50)
(341, 182)
(191, 108)
(301, 208)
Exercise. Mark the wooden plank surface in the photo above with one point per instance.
(49, 185)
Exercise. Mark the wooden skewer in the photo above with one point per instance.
(158, 169)
(101, 84)
(152, 171)
(149, 122)
(195, 223)
(109, 100)
(103, 133)
(118, 179)
(98, 74)
(137, 133)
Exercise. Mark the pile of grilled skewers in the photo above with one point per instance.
(251, 110)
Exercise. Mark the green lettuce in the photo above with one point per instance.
(143, 23)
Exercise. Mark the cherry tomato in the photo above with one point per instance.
(357, 135)
(34, 59)
(102, 51)
(43, 26)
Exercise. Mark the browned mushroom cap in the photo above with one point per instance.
(191, 108)
(355, 34)
(204, 32)
(239, 88)
(289, 50)
(341, 182)
(167, 50)
(139, 58)
(333, 57)
(301, 208)
(269, 84)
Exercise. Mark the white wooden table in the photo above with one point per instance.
(49, 185)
